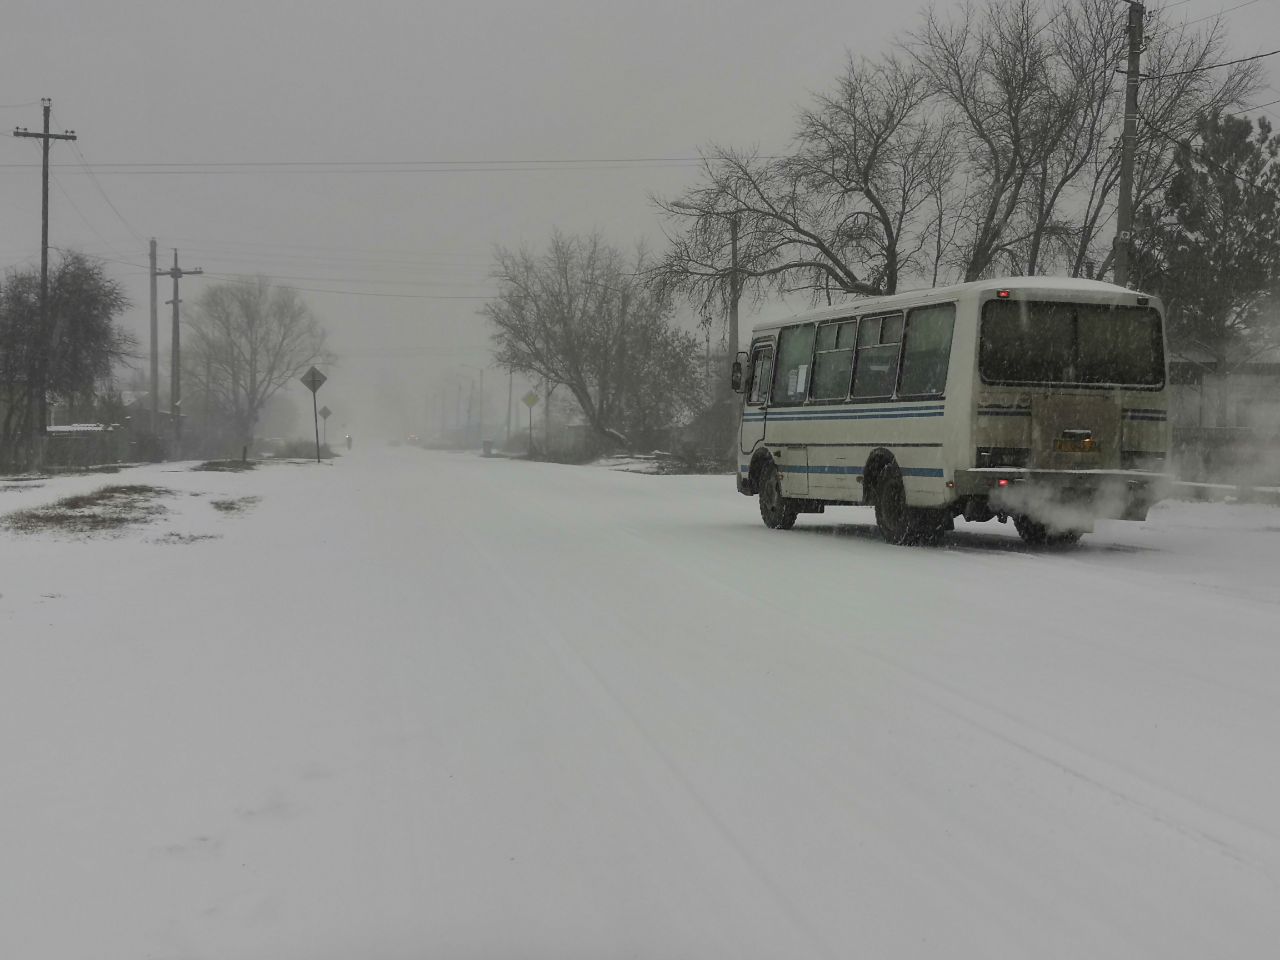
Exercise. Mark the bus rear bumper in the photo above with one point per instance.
(1062, 498)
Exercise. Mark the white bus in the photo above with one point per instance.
(1039, 399)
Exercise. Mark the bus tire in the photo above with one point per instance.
(900, 524)
(893, 516)
(777, 512)
(1037, 534)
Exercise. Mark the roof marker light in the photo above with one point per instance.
(1002, 294)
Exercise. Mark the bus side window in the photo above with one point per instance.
(791, 372)
(833, 361)
(876, 368)
(926, 352)
(761, 370)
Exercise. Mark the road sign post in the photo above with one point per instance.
(314, 380)
(530, 400)
(325, 413)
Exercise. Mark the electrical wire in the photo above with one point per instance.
(244, 279)
(1212, 66)
(1238, 6)
(1260, 106)
(79, 213)
(221, 168)
(75, 148)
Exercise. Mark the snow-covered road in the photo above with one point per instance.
(429, 705)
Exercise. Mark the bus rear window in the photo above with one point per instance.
(1070, 343)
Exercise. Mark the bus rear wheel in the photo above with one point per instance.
(777, 512)
(899, 523)
(1037, 534)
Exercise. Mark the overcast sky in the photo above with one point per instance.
(624, 89)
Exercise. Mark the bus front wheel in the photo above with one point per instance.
(777, 511)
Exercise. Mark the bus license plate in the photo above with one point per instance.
(1074, 445)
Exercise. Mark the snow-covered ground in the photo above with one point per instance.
(430, 705)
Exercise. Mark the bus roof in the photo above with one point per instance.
(909, 298)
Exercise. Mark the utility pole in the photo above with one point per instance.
(42, 362)
(733, 299)
(1128, 146)
(175, 371)
(511, 377)
(155, 345)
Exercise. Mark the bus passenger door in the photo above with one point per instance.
(755, 405)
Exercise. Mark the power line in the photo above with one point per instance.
(224, 168)
(97, 183)
(411, 283)
(92, 229)
(1260, 106)
(1212, 66)
(1212, 16)
(245, 279)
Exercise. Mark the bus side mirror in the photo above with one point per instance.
(735, 378)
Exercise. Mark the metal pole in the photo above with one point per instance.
(1128, 146)
(175, 366)
(733, 297)
(510, 383)
(315, 415)
(155, 345)
(41, 365)
(45, 332)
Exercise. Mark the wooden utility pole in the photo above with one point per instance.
(1128, 146)
(41, 367)
(175, 371)
(155, 345)
(511, 379)
(733, 298)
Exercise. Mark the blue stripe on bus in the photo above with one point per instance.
(854, 471)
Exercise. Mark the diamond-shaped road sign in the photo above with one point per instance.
(324, 413)
(314, 379)
(530, 399)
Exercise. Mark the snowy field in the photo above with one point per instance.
(427, 705)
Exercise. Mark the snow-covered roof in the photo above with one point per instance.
(81, 428)
(908, 298)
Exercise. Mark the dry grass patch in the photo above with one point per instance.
(239, 505)
(225, 466)
(105, 509)
(185, 537)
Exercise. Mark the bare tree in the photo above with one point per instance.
(991, 72)
(842, 213)
(246, 341)
(990, 143)
(580, 314)
(1181, 85)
